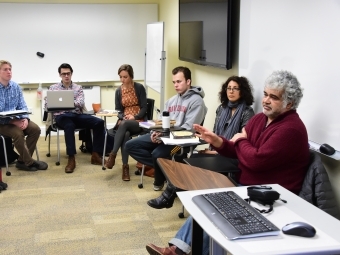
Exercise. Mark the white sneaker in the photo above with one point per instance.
(158, 188)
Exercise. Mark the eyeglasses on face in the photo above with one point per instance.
(66, 74)
(232, 89)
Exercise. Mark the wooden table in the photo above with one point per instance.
(102, 114)
(188, 177)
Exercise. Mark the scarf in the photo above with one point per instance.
(226, 125)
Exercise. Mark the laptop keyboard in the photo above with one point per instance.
(244, 218)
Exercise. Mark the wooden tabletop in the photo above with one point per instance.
(102, 114)
(188, 177)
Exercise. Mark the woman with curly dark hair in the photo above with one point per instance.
(235, 109)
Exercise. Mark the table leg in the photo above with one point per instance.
(197, 238)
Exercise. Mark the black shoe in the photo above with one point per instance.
(40, 165)
(21, 166)
(161, 202)
(3, 185)
(166, 200)
(36, 165)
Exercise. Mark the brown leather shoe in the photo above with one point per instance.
(96, 159)
(155, 250)
(125, 173)
(111, 160)
(71, 164)
(148, 170)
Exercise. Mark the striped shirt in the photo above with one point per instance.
(11, 99)
(79, 99)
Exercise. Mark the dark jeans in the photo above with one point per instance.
(125, 130)
(69, 122)
(146, 152)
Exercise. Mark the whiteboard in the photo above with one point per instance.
(95, 39)
(302, 37)
(153, 55)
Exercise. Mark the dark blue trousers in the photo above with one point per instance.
(69, 122)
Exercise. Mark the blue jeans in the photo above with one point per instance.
(70, 121)
(184, 236)
(143, 150)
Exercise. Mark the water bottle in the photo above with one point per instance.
(39, 92)
(166, 120)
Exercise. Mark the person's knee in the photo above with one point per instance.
(122, 124)
(129, 145)
(160, 153)
(98, 122)
(17, 133)
(34, 128)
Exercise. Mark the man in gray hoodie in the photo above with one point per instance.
(186, 108)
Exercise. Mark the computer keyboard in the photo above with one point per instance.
(243, 221)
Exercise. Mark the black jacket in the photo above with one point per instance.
(317, 189)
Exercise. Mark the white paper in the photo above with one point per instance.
(171, 141)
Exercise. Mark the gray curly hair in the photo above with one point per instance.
(286, 81)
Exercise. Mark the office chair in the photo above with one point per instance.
(149, 114)
(48, 117)
(316, 187)
(8, 173)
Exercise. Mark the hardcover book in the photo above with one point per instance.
(182, 134)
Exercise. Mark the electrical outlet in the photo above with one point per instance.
(30, 110)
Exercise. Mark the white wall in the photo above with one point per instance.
(95, 39)
(301, 36)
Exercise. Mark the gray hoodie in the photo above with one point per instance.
(187, 109)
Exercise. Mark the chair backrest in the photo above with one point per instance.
(317, 189)
(150, 108)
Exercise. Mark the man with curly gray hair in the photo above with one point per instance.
(288, 83)
(272, 148)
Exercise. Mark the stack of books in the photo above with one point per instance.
(154, 124)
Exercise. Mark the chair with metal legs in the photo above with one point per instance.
(8, 173)
(53, 127)
(149, 114)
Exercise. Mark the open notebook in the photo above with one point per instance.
(13, 113)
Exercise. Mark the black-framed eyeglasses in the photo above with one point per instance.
(232, 89)
(66, 74)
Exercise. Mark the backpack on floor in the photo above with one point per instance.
(11, 154)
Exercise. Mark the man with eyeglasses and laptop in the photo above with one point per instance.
(70, 120)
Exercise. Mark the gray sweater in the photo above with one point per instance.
(187, 109)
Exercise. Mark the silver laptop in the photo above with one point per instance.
(60, 100)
